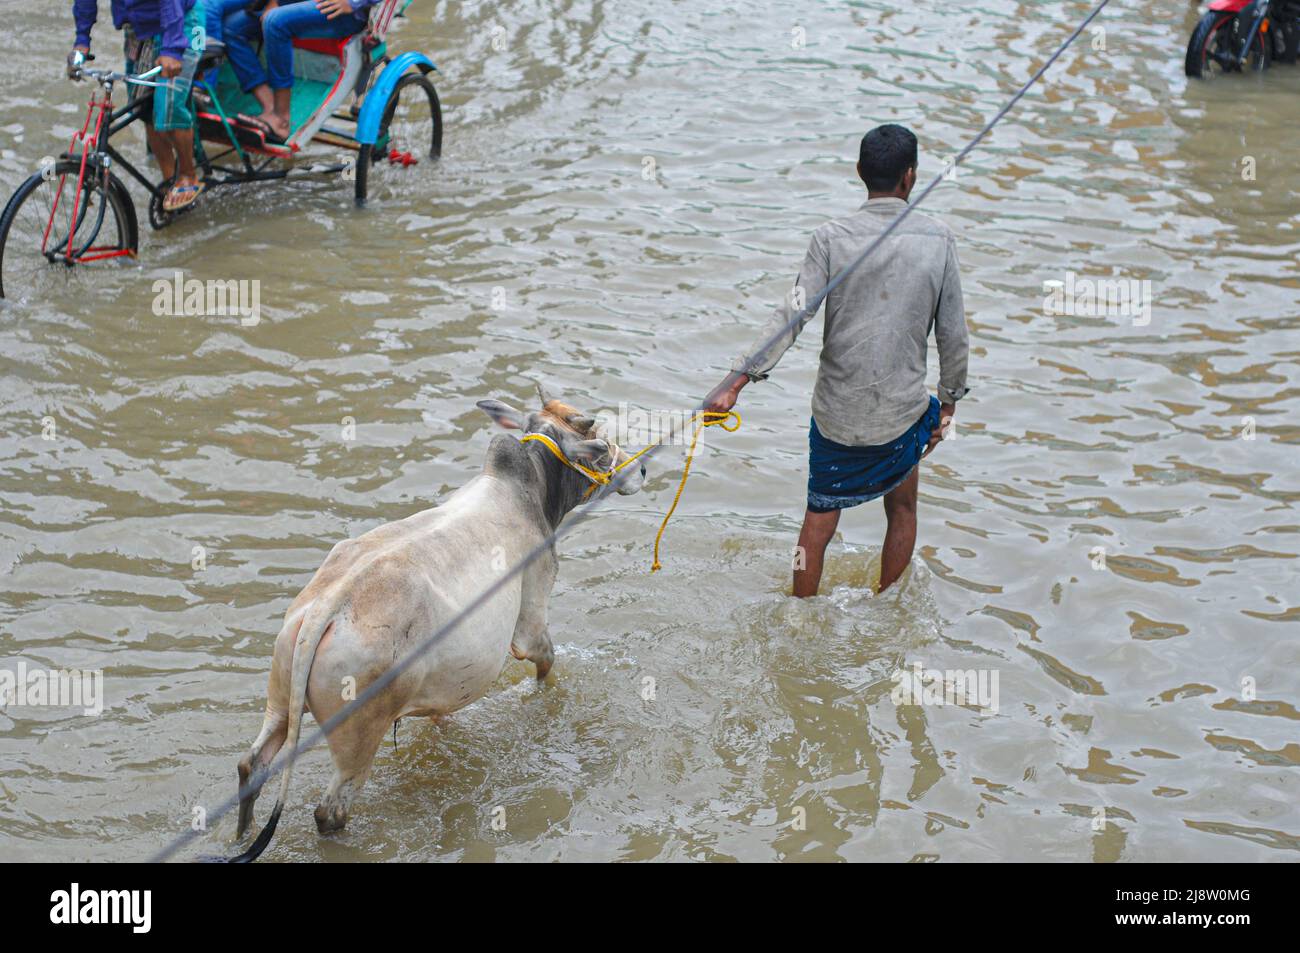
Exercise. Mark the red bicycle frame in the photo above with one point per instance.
(101, 104)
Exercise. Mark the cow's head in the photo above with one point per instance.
(577, 435)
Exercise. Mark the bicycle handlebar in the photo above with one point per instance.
(103, 76)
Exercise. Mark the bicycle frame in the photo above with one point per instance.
(94, 149)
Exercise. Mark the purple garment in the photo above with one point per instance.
(165, 18)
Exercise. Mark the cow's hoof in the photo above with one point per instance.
(328, 821)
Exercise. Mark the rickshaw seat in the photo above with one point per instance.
(328, 45)
(372, 35)
(214, 54)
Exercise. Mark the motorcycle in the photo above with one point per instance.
(1235, 35)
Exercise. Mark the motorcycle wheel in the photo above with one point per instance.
(1212, 49)
(1288, 42)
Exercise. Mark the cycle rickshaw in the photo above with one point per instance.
(350, 93)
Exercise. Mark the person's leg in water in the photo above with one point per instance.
(164, 152)
(900, 533)
(818, 529)
(139, 57)
(186, 172)
(173, 117)
(173, 125)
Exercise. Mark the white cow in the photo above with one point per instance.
(378, 596)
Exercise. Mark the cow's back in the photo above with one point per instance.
(401, 582)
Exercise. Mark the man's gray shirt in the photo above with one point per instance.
(871, 383)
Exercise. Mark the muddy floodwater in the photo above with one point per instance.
(625, 194)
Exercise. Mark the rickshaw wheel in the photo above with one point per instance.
(158, 216)
(392, 124)
(41, 207)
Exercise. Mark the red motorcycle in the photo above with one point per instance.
(1235, 35)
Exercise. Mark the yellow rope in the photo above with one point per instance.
(597, 477)
(703, 418)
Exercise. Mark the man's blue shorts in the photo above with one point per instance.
(840, 476)
(171, 100)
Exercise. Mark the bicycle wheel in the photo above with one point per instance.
(410, 131)
(53, 224)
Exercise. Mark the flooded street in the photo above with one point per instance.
(625, 194)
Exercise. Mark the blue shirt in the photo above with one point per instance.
(148, 18)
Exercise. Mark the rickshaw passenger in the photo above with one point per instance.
(217, 11)
(159, 32)
(279, 23)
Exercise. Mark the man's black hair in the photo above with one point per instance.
(886, 153)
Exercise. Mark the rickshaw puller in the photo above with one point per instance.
(158, 32)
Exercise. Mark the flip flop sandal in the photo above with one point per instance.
(182, 197)
(263, 127)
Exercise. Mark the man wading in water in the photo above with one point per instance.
(872, 420)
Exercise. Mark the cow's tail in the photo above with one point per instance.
(314, 627)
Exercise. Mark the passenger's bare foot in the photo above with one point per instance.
(274, 134)
(279, 124)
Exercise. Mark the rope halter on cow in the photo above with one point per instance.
(702, 419)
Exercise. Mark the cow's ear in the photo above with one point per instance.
(503, 414)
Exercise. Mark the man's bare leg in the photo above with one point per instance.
(182, 140)
(900, 534)
(818, 528)
(163, 151)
